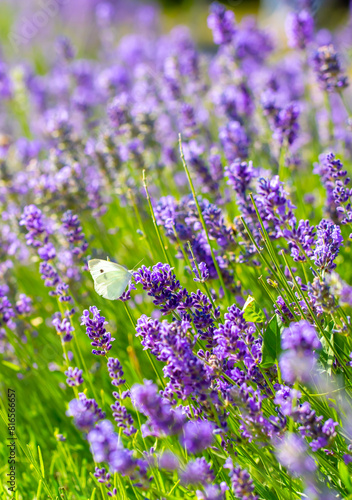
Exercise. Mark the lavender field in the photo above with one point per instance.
(175, 254)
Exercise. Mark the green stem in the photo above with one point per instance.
(150, 357)
(154, 220)
(203, 223)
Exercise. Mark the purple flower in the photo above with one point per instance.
(115, 371)
(275, 208)
(310, 425)
(299, 29)
(197, 436)
(329, 241)
(328, 69)
(106, 446)
(235, 340)
(234, 140)
(64, 48)
(286, 126)
(336, 181)
(33, 221)
(85, 412)
(72, 230)
(300, 336)
(63, 326)
(183, 218)
(240, 176)
(292, 453)
(222, 24)
(297, 366)
(160, 283)
(241, 481)
(96, 331)
(47, 252)
(121, 416)
(74, 376)
(103, 476)
(7, 313)
(213, 492)
(162, 418)
(168, 461)
(103, 441)
(24, 304)
(118, 111)
(197, 471)
(202, 273)
(300, 239)
(194, 152)
(251, 44)
(49, 274)
(171, 344)
(299, 361)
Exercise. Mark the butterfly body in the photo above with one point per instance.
(110, 279)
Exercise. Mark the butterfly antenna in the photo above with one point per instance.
(138, 264)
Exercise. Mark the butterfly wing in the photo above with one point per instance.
(112, 289)
(110, 279)
(99, 266)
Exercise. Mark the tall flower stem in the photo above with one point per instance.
(203, 222)
(154, 220)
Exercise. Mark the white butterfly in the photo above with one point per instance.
(110, 279)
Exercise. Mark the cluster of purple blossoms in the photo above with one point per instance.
(285, 125)
(96, 331)
(63, 325)
(39, 231)
(201, 272)
(32, 219)
(274, 206)
(85, 412)
(222, 24)
(328, 244)
(7, 313)
(283, 119)
(213, 492)
(121, 416)
(235, 101)
(299, 341)
(72, 230)
(115, 372)
(240, 176)
(300, 238)
(235, 141)
(171, 344)
(167, 293)
(162, 418)
(321, 434)
(241, 481)
(336, 182)
(181, 222)
(106, 447)
(23, 305)
(104, 477)
(197, 436)
(328, 69)
(194, 156)
(299, 29)
(197, 471)
(292, 453)
(235, 340)
(74, 376)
